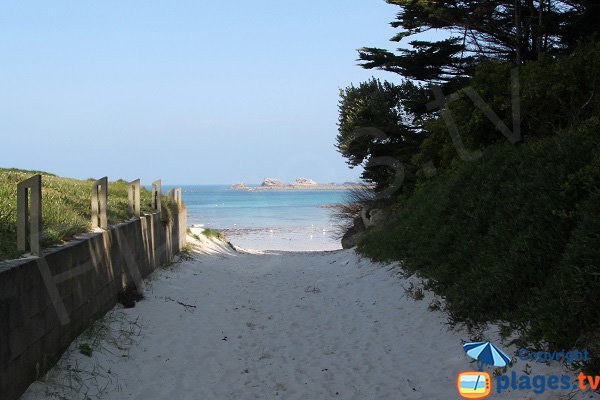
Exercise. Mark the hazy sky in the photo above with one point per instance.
(188, 91)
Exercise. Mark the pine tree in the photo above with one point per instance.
(478, 30)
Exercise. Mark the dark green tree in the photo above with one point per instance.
(379, 129)
(508, 30)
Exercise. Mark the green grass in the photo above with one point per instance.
(86, 349)
(65, 207)
(213, 233)
(514, 236)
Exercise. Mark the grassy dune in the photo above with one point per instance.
(65, 207)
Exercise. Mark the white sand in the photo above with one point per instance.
(287, 239)
(254, 325)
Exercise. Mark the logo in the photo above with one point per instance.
(486, 354)
(477, 384)
(474, 384)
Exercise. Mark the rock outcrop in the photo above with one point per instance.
(353, 234)
(372, 217)
(239, 186)
(271, 182)
(298, 184)
(304, 181)
(368, 218)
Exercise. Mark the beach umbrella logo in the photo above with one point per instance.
(486, 353)
(474, 384)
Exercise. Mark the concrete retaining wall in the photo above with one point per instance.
(47, 301)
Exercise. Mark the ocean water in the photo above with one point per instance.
(266, 220)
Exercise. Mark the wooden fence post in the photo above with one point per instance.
(156, 195)
(133, 197)
(29, 214)
(99, 200)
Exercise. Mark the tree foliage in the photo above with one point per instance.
(485, 40)
(478, 30)
(376, 121)
(556, 93)
(512, 234)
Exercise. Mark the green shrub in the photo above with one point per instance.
(86, 349)
(567, 313)
(512, 236)
(213, 233)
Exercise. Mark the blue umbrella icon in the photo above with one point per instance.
(486, 353)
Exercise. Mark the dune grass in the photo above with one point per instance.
(65, 207)
(213, 233)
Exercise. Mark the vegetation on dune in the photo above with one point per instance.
(505, 238)
(504, 225)
(66, 209)
(213, 233)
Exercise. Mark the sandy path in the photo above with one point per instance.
(227, 325)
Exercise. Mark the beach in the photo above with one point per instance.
(267, 220)
(234, 323)
(286, 238)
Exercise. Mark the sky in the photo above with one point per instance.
(192, 92)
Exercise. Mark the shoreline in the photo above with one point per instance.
(312, 239)
(292, 187)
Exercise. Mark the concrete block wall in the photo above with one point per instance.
(47, 301)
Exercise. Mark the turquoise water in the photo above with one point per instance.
(218, 207)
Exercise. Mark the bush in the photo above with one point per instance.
(512, 236)
(567, 313)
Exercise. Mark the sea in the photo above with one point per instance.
(297, 220)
